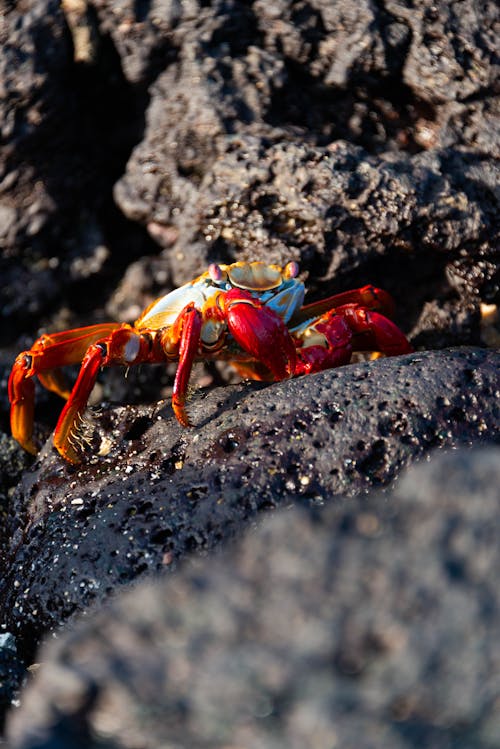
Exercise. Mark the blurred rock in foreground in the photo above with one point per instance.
(371, 622)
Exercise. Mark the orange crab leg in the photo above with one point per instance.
(67, 439)
(45, 357)
(122, 346)
(68, 347)
(22, 409)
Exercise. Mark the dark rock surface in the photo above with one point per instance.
(65, 127)
(372, 622)
(164, 491)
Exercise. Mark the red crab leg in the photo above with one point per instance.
(374, 332)
(368, 296)
(331, 346)
(185, 331)
(47, 354)
(260, 332)
(329, 342)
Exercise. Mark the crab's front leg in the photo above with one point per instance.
(323, 344)
(46, 356)
(123, 346)
(181, 340)
(374, 332)
(260, 332)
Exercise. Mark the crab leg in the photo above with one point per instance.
(22, 399)
(44, 359)
(122, 346)
(330, 341)
(67, 439)
(326, 344)
(374, 332)
(186, 333)
(368, 296)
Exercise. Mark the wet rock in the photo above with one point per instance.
(369, 622)
(163, 492)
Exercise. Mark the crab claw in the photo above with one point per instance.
(260, 332)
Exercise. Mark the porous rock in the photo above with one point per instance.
(61, 152)
(370, 622)
(163, 491)
(340, 137)
(425, 226)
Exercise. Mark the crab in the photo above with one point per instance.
(249, 313)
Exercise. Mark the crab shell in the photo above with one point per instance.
(277, 288)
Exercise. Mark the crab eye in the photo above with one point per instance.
(215, 272)
(291, 270)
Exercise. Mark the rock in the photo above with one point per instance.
(369, 622)
(343, 214)
(61, 153)
(164, 492)
(12, 674)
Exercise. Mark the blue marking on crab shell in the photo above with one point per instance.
(299, 329)
(287, 301)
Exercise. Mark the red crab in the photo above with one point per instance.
(250, 314)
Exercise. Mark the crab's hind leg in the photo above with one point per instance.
(374, 332)
(46, 356)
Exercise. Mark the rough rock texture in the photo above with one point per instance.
(64, 128)
(233, 108)
(371, 622)
(164, 491)
(243, 141)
